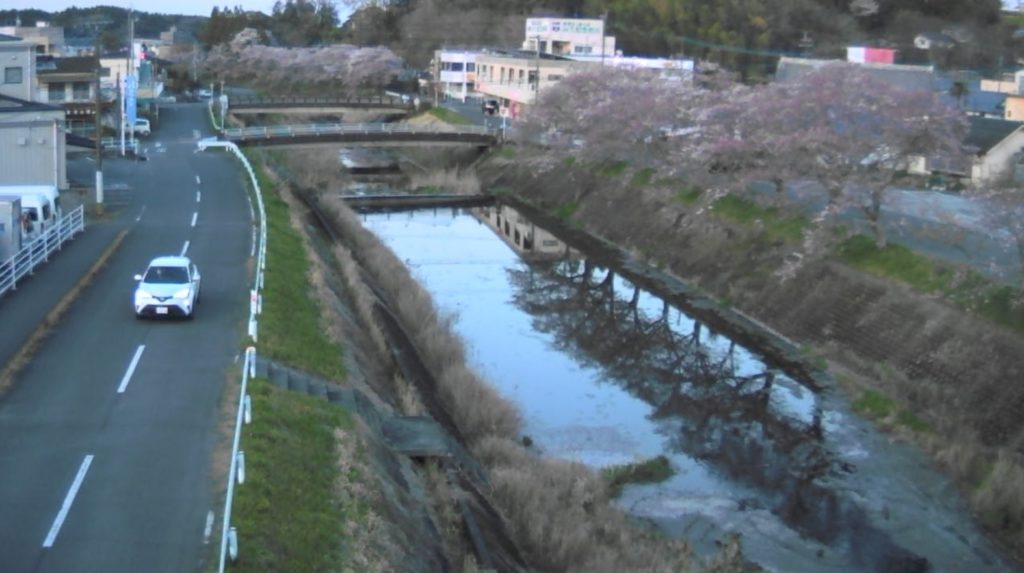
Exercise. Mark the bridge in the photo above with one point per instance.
(362, 135)
(251, 105)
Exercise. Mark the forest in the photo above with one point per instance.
(747, 36)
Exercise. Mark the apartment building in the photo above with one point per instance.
(515, 78)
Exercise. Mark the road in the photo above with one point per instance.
(108, 434)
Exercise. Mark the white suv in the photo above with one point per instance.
(170, 287)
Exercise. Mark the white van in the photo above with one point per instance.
(50, 192)
(37, 217)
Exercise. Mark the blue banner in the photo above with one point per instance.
(131, 86)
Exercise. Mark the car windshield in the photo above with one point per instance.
(166, 275)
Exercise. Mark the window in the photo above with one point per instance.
(56, 91)
(456, 66)
(470, 67)
(582, 49)
(81, 90)
(12, 75)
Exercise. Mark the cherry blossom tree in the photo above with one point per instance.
(606, 114)
(1002, 207)
(338, 69)
(840, 126)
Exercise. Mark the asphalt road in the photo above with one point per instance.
(108, 468)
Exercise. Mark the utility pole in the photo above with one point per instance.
(99, 129)
(536, 69)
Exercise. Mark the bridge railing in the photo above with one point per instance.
(39, 249)
(382, 99)
(349, 128)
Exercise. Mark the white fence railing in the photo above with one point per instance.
(241, 133)
(236, 472)
(39, 250)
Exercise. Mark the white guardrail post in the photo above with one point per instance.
(236, 472)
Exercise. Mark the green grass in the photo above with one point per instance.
(569, 161)
(565, 211)
(506, 152)
(876, 405)
(448, 116)
(689, 195)
(287, 515)
(642, 178)
(612, 169)
(654, 470)
(289, 327)
(971, 290)
(777, 226)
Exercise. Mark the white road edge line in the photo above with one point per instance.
(208, 530)
(68, 500)
(184, 249)
(194, 217)
(131, 369)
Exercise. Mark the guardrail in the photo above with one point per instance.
(115, 143)
(350, 128)
(39, 250)
(396, 101)
(236, 472)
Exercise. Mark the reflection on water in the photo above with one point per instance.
(606, 373)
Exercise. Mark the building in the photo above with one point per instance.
(18, 59)
(32, 143)
(71, 84)
(454, 73)
(908, 77)
(47, 40)
(574, 38)
(514, 78)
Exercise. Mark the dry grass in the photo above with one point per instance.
(560, 513)
(455, 181)
(477, 409)
(315, 168)
(368, 539)
(362, 297)
(24, 354)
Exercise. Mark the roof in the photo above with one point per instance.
(975, 100)
(72, 65)
(10, 104)
(984, 133)
(913, 78)
(170, 261)
(6, 38)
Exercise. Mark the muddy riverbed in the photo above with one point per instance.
(606, 373)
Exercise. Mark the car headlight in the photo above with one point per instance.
(183, 293)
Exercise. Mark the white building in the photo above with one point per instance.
(575, 38)
(32, 143)
(455, 73)
(18, 65)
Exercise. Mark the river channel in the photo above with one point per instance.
(607, 373)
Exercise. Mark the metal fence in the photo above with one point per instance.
(39, 249)
(236, 472)
(242, 133)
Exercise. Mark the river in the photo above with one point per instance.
(607, 373)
